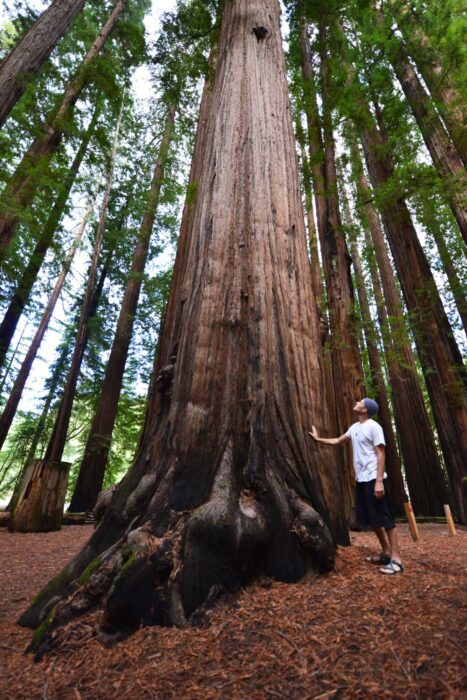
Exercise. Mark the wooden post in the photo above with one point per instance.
(41, 501)
(412, 522)
(449, 518)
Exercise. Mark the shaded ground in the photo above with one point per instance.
(350, 634)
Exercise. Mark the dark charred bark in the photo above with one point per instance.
(226, 483)
(26, 59)
(92, 470)
(27, 177)
(439, 355)
(22, 293)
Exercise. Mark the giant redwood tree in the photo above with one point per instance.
(225, 483)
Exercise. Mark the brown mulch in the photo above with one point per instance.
(350, 634)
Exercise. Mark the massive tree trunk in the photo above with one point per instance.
(346, 368)
(443, 89)
(26, 59)
(23, 290)
(25, 180)
(92, 470)
(439, 355)
(443, 152)
(225, 483)
(422, 465)
(9, 411)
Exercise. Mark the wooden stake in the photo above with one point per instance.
(451, 526)
(412, 522)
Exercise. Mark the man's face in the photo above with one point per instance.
(360, 407)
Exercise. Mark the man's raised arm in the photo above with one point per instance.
(328, 441)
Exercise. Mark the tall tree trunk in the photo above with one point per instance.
(439, 355)
(57, 440)
(23, 290)
(393, 464)
(347, 372)
(422, 465)
(443, 90)
(12, 359)
(92, 470)
(26, 59)
(9, 411)
(25, 471)
(25, 180)
(443, 152)
(225, 483)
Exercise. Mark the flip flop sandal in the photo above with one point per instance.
(392, 568)
(381, 559)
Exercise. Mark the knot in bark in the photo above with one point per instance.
(165, 378)
(260, 33)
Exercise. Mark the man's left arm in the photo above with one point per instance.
(380, 460)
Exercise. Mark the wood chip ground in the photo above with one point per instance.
(349, 634)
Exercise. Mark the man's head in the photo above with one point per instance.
(366, 407)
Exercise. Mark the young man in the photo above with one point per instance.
(372, 500)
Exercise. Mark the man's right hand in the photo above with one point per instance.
(313, 433)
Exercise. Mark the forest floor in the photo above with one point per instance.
(353, 633)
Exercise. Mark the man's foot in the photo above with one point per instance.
(393, 568)
(381, 559)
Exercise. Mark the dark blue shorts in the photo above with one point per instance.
(376, 512)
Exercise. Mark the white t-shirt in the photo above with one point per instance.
(365, 437)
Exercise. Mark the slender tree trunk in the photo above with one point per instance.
(443, 90)
(92, 470)
(439, 355)
(12, 359)
(22, 293)
(26, 59)
(422, 465)
(25, 470)
(347, 372)
(443, 152)
(25, 181)
(226, 480)
(393, 465)
(9, 411)
(57, 440)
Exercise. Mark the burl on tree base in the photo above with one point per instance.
(226, 485)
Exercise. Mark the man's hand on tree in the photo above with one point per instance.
(313, 433)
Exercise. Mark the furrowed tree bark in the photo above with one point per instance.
(92, 470)
(225, 484)
(26, 179)
(443, 152)
(9, 411)
(346, 368)
(422, 466)
(439, 355)
(443, 90)
(33, 49)
(22, 293)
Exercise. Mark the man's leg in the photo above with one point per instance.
(380, 533)
(394, 544)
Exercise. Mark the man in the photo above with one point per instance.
(372, 500)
